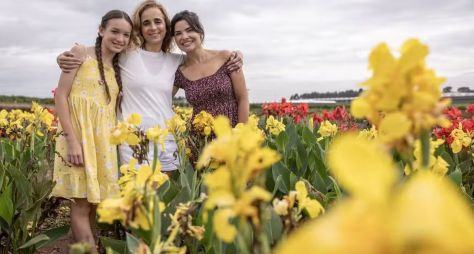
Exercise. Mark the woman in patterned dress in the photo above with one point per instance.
(208, 86)
(85, 169)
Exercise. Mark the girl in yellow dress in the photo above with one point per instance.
(86, 169)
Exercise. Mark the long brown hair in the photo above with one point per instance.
(139, 40)
(114, 14)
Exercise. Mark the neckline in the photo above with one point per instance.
(151, 53)
(205, 77)
(106, 66)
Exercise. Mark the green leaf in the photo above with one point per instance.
(279, 169)
(456, 176)
(54, 234)
(35, 240)
(6, 205)
(336, 188)
(156, 231)
(132, 243)
(117, 246)
(274, 227)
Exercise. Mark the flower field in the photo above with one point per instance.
(392, 174)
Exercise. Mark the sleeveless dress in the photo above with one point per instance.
(147, 79)
(92, 118)
(213, 94)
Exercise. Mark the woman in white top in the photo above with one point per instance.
(147, 76)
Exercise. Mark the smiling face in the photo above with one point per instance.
(153, 26)
(187, 38)
(116, 35)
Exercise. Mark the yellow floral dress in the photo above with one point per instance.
(92, 118)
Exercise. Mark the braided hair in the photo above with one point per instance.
(114, 14)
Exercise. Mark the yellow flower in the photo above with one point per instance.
(311, 206)
(157, 135)
(280, 206)
(460, 139)
(436, 164)
(369, 134)
(394, 126)
(327, 129)
(222, 226)
(403, 90)
(203, 122)
(274, 126)
(134, 119)
(113, 209)
(431, 214)
(361, 166)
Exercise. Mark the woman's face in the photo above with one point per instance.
(116, 35)
(153, 26)
(186, 37)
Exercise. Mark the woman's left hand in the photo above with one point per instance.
(235, 62)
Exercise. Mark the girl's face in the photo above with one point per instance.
(153, 26)
(116, 35)
(186, 37)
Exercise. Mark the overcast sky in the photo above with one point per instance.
(289, 46)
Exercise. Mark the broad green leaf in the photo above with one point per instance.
(117, 246)
(35, 240)
(54, 234)
(6, 205)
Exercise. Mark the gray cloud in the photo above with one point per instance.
(289, 47)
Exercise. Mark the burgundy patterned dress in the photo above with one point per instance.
(213, 94)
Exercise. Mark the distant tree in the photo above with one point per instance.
(447, 89)
(295, 97)
(464, 89)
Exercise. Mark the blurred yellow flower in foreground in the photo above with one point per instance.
(426, 214)
(403, 96)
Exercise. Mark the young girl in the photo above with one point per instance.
(86, 169)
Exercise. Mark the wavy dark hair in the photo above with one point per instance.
(113, 14)
(192, 19)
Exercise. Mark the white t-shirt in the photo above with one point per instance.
(147, 79)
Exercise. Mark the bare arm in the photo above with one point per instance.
(74, 152)
(69, 60)
(241, 95)
(175, 90)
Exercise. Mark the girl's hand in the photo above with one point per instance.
(67, 61)
(235, 62)
(74, 153)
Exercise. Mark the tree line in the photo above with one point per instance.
(336, 94)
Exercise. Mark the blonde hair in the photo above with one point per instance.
(139, 41)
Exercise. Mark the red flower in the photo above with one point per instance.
(470, 108)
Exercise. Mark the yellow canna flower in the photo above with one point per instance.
(369, 134)
(203, 123)
(157, 135)
(422, 217)
(394, 126)
(222, 227)
(362, 167)
(134, 119)
(327, 129)
(311, 206)
(460, 139)
(403, 96)
(280, 206)
(274, 126)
